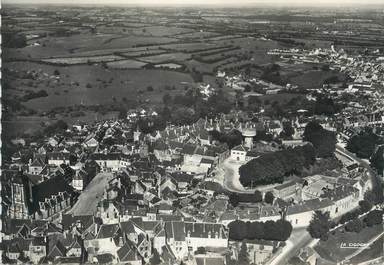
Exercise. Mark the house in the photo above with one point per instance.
(259, 251)
(108, 239)
(91, 142)
(78, 180)
(76, 249)
(36, 166)
(37, 249)
(58, 158)
(110, 162)
(239, 153)
(56, 251)
(175, 238)
(286, 190)
(128, 254)
(208, 235)
(40, 201)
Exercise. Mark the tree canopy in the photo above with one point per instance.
(364, 143)
(323, 140)
(279, 230)
(273, 167)
(320, 225)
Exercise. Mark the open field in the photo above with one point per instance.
(176, 57)
(331, 250)
(126, 64)
(103, 56)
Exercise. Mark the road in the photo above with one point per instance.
(90, 197)
(229, 171)
(359, 250)
(376, 181)
(298, 239)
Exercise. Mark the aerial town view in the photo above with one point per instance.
(192, 134)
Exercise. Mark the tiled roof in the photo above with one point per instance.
(175, 230)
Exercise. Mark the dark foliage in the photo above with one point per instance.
(323, 140)
(364, 144)
(320, 225)
(270, 230)
(273, 167)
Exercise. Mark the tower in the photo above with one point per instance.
(248, 134)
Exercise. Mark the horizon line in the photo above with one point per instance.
(223, 5)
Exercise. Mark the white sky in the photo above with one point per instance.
(210, 2)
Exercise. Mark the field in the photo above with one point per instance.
(331, 250)
(126, 64)
(95, 56)
(176, 57)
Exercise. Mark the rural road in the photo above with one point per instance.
(90, 197)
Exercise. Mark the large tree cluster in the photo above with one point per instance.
(270, 230)
(364, 143)
(273, 167)
(323, 140)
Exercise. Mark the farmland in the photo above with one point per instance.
(93, 57)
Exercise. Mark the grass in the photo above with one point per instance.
(126, 64)
(375, 251)
(331, 250)
(104, 84)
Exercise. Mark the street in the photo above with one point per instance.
(90, 197)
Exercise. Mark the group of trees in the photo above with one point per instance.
(321, 223)
(273, 167)
(325, 106)
(323, 140)
(270, 230)
(236, 198)
(188, 108)
(288, 130)
(377, 159)
(257, 196)
(32, 95)
(364, 143)
(374, 217)
(232, 138)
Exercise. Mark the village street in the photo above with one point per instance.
(90, 197)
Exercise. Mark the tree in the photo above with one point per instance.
(319, 225)
(377, 159)
(150, 88)
(365, 206)
(374, 217)
(201, 250)
(255, 230)
(288, 130)
(325, 106)
(323, 140)
(258, 196)
(243, 258)
(271, 168)
(269, 197)
(355, 225)
(155, 259)
(364, 144)
(237, 230)
(167, 99)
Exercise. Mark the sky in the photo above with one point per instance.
(209, 2)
